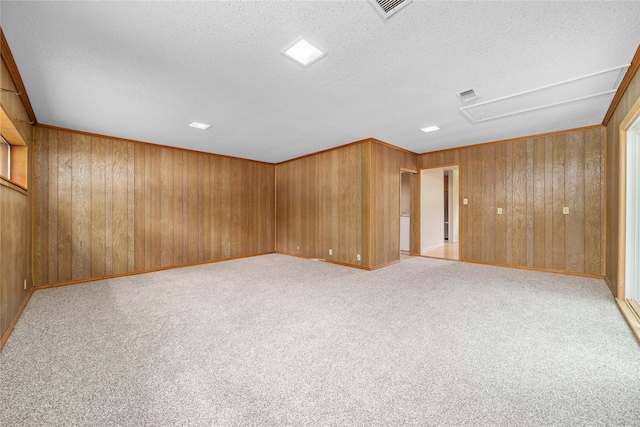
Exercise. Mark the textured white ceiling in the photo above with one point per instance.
(144, 70)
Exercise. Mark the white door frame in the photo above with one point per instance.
(627, 123)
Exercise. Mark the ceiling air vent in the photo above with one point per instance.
(468, 95)
(387, 8)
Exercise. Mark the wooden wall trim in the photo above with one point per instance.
(386, 144)
(5, 336)
(134, 273)
(7, 57)
(541, 269)
(339, 147)
(328, 150)
(150, 144)
(624, 84)
(520, 138)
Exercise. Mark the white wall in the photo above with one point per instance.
(405, 192)
(453, 205)
(431, 208)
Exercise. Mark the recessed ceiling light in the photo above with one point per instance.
(197, 125)
(430, 129)
(303, 52)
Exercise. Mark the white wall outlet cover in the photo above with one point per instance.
(465, 201)
(499, 211)
(565, 210)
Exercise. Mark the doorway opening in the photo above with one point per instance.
(408, 186)
(439, 212)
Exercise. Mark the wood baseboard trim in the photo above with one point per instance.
(133, 273)
(544, 270)
(386, 264)
(344, 264)
(630, 317)
(7, 333)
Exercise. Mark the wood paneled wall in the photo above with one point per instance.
(631, 95)
(105, 207)
(15, 247)
(15, 219)
(346, 200)
(532, 180)
(320, 204)
(385, 202)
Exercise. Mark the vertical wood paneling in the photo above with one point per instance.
(98, 208)
(166, 207)
(532, 179)
(488, 203)
(539, 232)
(178, 207)
(139, 202)
(108, 180)
(156, 207)
(40, 235)
(518, 207)
(346, 200)
(65, 223)
(120, 249)
(109, 206)
(593, 207)
(131, 172)
(558, 244)
(574, 200)
(500, 230)
(81, 207)
(50, 215)
(548, 202)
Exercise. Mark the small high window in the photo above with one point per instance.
(5, 158)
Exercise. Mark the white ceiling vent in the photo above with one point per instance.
(598, 84)
(387, 8)
(468, 95)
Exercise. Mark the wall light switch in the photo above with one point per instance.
(565, 210)
(465, 201)
(499, 211)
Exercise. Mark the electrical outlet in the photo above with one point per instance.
(330, 252)
(298, 247)
(357, 257)
(565, 210)
(25, 284)
(499, 211)
(465, 201)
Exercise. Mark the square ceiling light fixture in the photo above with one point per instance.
(430, 129)
(198, 125)
(302, 52)
(597, 84)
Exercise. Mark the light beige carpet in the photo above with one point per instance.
(277, 340)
